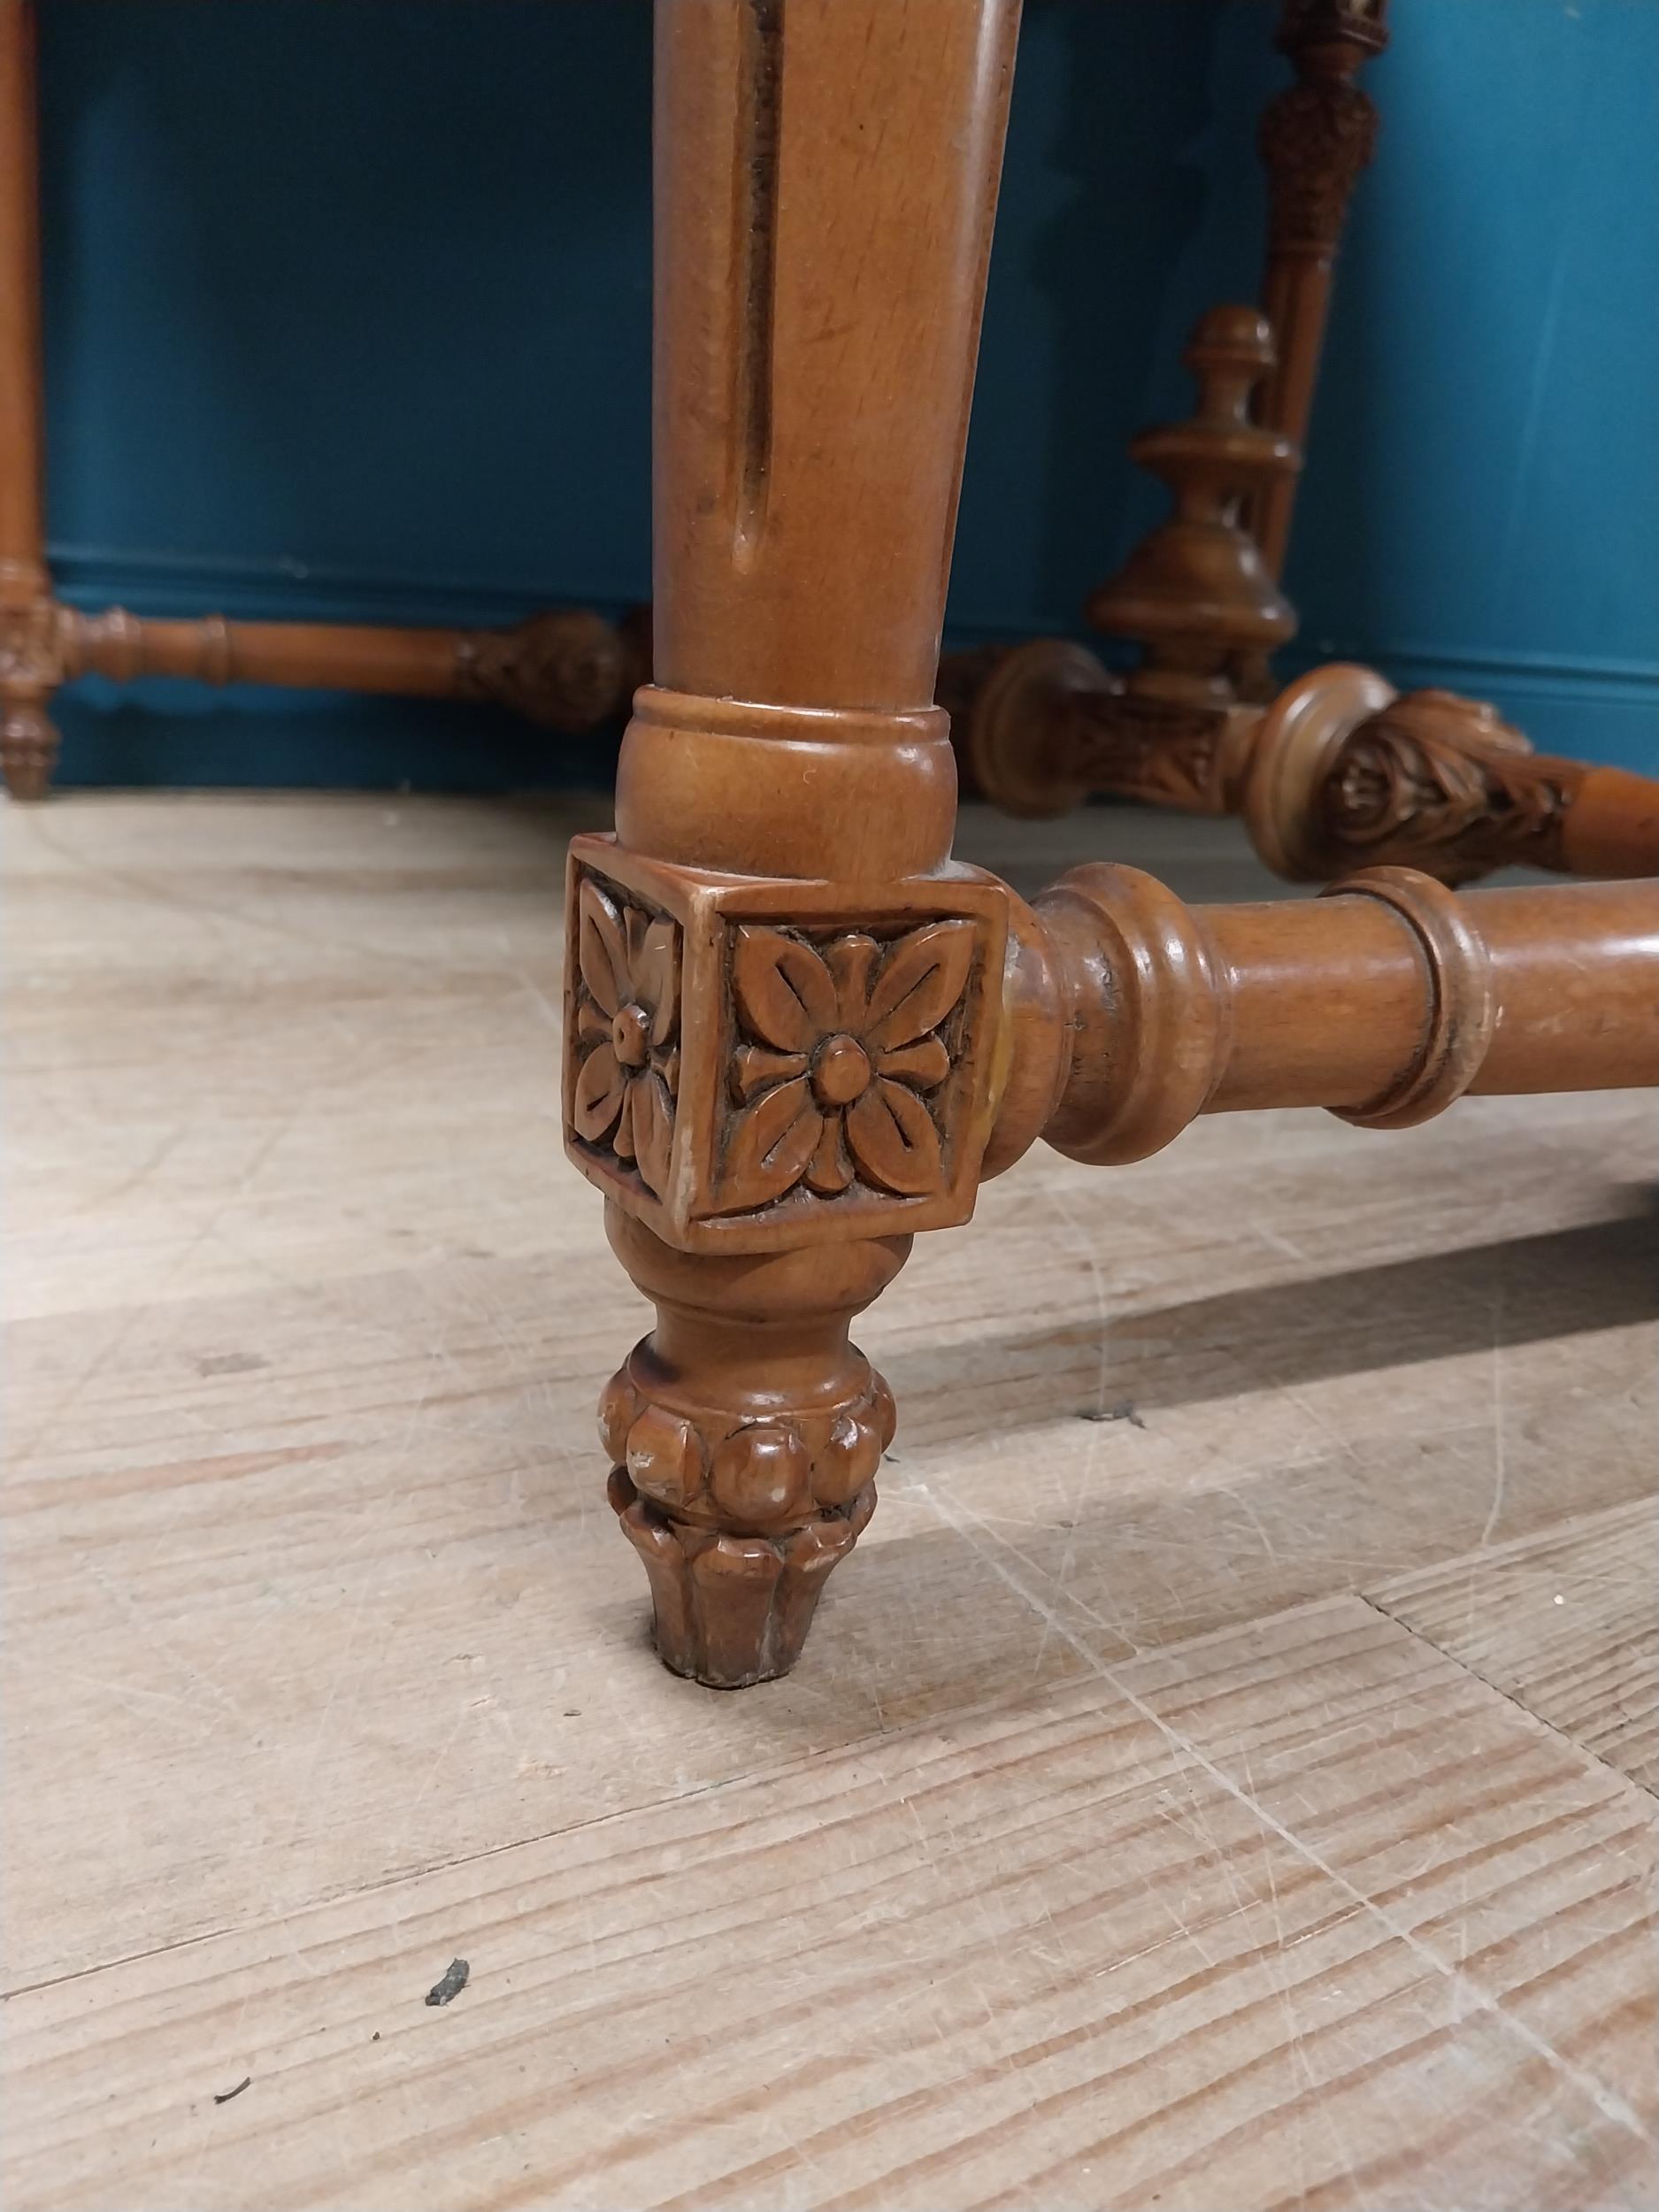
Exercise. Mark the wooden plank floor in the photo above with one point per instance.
(1245, 1803)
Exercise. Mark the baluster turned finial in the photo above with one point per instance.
(1195, 593)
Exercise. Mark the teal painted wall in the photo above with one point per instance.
(347, 315)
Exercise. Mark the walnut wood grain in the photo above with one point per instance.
(1338, 771)
(566, 669)
(1048, 726)
(1434, 781)
(1199, 595)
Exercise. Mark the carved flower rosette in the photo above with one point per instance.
(843, 1044)
(754, 1063)
(627, 1024)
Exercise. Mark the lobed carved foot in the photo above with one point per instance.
(742, 1474)
(31, 669)
(28, 748)
(744, 1435)
(732, 1609)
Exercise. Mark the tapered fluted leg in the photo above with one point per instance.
(781, 1005)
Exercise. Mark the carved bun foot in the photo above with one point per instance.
(28, 748)
(734, 1610)
(739, 1519)
(1015, 727)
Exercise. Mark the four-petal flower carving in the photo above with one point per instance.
(842, 1049)
(627, 1024)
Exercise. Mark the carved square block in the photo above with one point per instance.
(754, 1063)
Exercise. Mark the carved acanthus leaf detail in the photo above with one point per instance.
(567, 669)
(1314, 139)
(1441, 781)
(1153, 750)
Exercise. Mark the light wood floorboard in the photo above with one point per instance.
(1207, 1804)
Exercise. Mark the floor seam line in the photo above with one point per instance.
(1540, 1720)
(1606, 2101)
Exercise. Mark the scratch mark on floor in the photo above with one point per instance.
(1494, 1515)
(1607, 2101)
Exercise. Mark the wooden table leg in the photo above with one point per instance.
(29, 670)
(781, 1002)
(1317, 138)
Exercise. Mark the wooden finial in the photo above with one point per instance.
(1195, 593)
(1049, 724)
